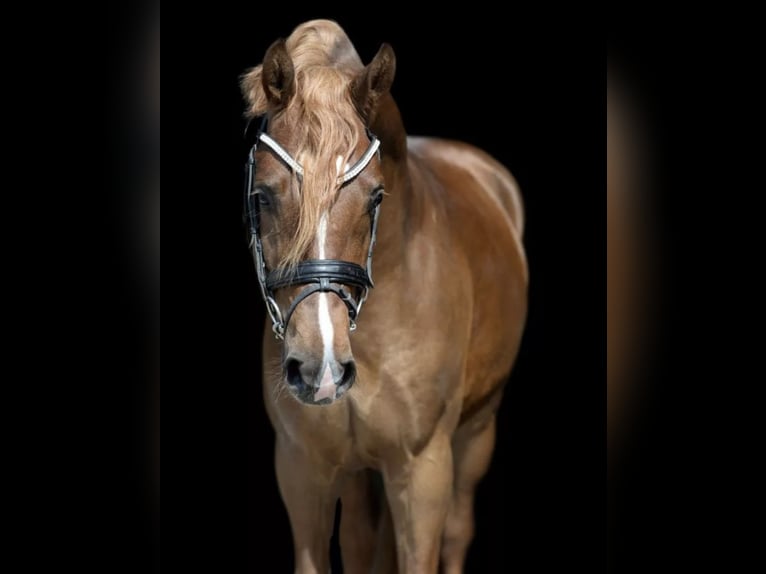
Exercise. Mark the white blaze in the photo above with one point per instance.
(327, 384)
(325, 328)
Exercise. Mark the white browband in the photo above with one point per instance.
(282, 153)
(357, 168)
(351, 171)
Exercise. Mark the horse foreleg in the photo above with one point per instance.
(472, 452)
(418, 491)
(366, 533)
(309, 492)
(358, 523)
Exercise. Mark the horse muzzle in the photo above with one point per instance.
(318, 382)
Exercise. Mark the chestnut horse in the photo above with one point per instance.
(397, 419)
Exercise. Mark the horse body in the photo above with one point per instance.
(437, 341)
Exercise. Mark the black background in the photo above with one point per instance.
(528, 90)
(532, 98)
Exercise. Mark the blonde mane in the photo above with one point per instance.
(321, 118)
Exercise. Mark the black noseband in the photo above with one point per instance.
(314, 270)
(323, 276)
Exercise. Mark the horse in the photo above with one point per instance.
(392, 410)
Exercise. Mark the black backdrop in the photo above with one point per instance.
(533, 100)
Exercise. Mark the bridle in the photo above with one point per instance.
(319, 275)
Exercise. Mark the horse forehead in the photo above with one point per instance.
(270, 169)
(282, 131)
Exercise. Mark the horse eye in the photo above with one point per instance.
(377, 197)
(263, 196)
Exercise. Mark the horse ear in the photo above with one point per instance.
(278, 76)
(374, 82)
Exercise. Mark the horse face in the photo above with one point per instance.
(318, 363)
(318, 116)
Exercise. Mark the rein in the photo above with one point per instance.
(320, 275)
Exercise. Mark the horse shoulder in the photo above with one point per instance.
(491, 177)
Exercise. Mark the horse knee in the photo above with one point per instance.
(458, 533)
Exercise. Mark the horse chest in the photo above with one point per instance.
(394, 418)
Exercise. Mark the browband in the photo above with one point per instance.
(351, 171)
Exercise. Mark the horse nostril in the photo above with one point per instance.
(293, 372)
(349, 373)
